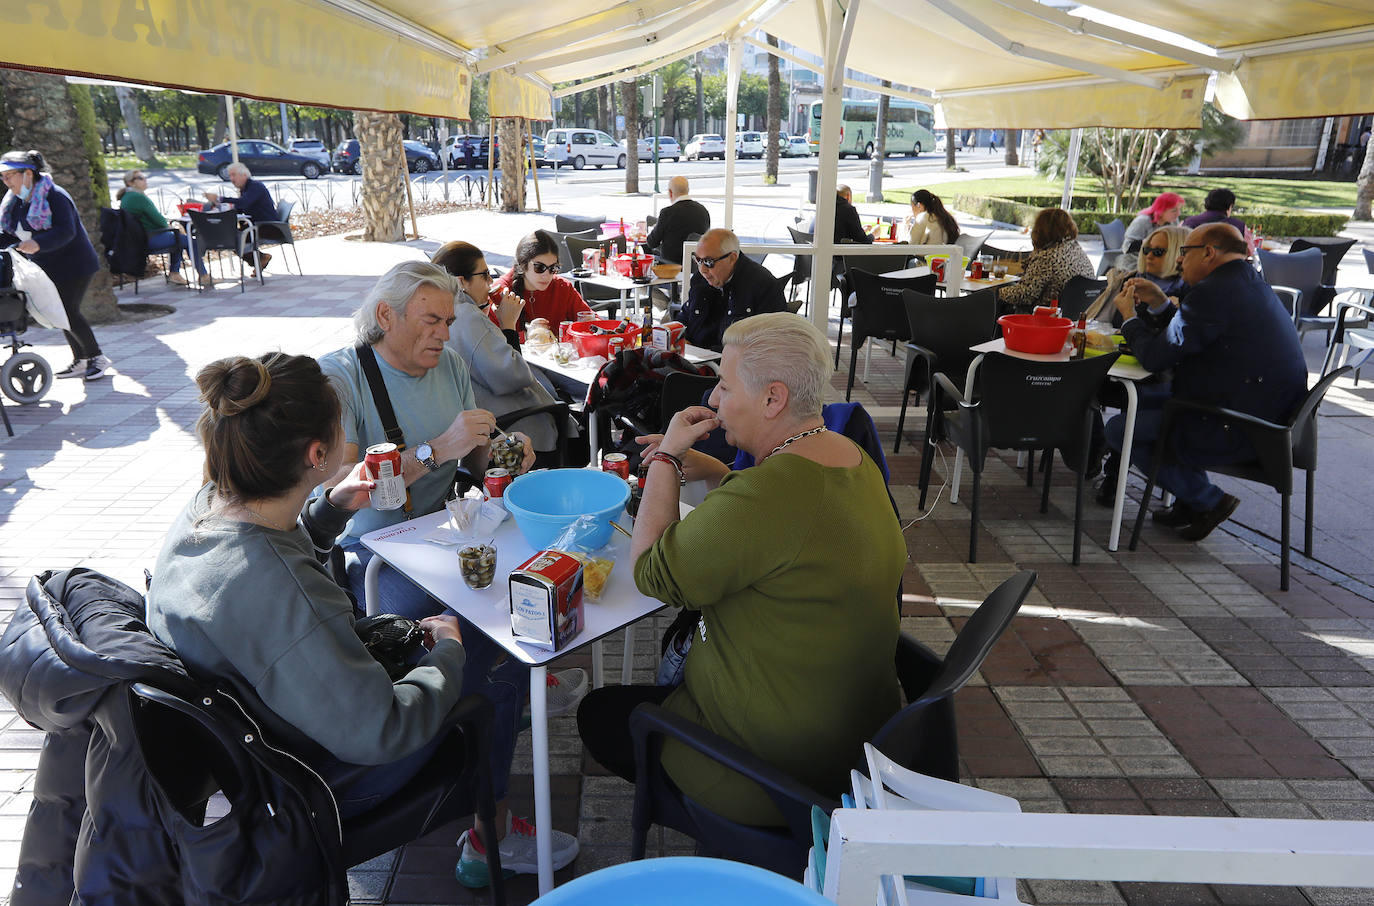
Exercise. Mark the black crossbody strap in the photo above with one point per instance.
(380, 398)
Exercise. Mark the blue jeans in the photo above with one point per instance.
(174, 241)
(489, 670)
(1189, 484)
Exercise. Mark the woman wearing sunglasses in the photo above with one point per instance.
(1158, 262)
(501, 379)
(535, 280)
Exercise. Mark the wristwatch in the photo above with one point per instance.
(425, 454)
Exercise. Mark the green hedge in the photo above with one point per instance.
(1021, 210)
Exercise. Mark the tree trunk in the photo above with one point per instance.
(510, 130)
(603, 110)
(221, 121)
(1364, 185)
(384, 175)
(701, 97)
(875, 166)
(42, 114)
(577, 110)
(770, 170)
(1013, 138)
(950, 141)
(133, 119)
(629, 102)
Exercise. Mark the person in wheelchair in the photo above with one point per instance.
(795, 588)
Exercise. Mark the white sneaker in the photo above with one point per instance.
(565, 689)
(518, 853)
(76, 369)
(97, 368)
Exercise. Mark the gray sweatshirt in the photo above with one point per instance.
(250, 606)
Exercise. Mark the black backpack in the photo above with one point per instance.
(125, 243)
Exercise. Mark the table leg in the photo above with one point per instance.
(627, 666)
(598, 671)
(371, 591)
(1132, 400)
(543, 817)
(594, 435)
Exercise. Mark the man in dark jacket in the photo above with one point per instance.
(726, 287)
(1232, 344)
(676, 222)
(847, 224)
(253, 201)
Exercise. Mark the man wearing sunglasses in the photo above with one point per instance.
(726, 287)
(1232, 344)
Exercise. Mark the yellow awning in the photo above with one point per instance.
(1178, 106)
(511, 96)
(1330, 82)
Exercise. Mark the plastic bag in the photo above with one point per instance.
(596, 569)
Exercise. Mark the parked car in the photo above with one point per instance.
(668, 148)
(705, 144)
(797, 146)
(749, 144)
(262, 157)
(419, 158)
(579, 147)
(310, 147)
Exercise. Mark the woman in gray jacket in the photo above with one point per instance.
(502, 381)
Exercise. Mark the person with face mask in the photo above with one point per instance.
(39, 220)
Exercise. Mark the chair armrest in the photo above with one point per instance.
(948, 389)
(1292, 295)
(510, 418)
(1242, 418)
(651, 725)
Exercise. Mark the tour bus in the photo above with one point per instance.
(910, 127)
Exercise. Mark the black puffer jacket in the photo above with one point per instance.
(68, 660)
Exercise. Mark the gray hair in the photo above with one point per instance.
(396, 288)
(239, 167)
(783, 347)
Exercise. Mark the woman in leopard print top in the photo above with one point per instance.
(1056, 258)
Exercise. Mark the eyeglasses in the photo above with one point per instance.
(709, 263)
(490, 275)
(540, 267)
(1154, 252)
(1184, 249)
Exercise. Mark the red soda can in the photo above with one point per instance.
(618, 463)
(614, 345)
(976, 270)
(496, 482)
(384, 467)
(937, 267)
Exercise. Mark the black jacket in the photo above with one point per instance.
(100, 831)
(676, 222)
(752, 290)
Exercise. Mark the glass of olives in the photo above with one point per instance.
(508, 453)
(477, 563)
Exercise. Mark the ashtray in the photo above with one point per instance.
(581, 272)
(642, 279)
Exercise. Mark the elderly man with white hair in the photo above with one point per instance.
(793, 565)
(726, 287)
(402, 330)
(253, 201)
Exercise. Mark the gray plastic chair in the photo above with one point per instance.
(1113, 238)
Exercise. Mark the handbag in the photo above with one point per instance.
(392, 640)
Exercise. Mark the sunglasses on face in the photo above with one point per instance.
(490, 275)
(540, 267)
(709, 263)
(1155, 252)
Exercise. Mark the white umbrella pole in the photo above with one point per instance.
(734, 65)
(1071, 167)
(233, 129)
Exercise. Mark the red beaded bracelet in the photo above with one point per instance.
(673, 461)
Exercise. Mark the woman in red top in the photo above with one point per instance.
(535, 279)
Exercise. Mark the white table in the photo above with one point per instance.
(627, 287)
(966, 286)
(1126, 375)
(434, 569)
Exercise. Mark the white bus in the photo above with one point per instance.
(910, 127)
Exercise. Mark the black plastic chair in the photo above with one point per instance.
(278, 232)
(1001, 254)
(1333, 249)
(1022, 405)
(874, 264)
(803, 267)
(1296, 277)
(571, 246)
(972, 245)
(568, 223)
(942, 330)
(920, 736)
(1368, 260)
(1279, 449)
(195, 743)
(1113, 238)
(1078, 294)
(463, 479)
(220, 232)
(878, 311)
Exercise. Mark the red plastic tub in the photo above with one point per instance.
(1035, 334)
(633, 265)
(588, 344)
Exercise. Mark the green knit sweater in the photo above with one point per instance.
(144, 210)
(795, 568)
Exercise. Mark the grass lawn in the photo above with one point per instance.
(1250, 193)
(115, 163)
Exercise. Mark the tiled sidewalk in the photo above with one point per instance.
(1173, 680)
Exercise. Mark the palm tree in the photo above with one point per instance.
(701, 96)
(1364, 185)
(629, 101)
(1012, 138)
(511, 131)
(770, 175)
(384, 173)
(42, 114)
(133, 119)
(676, 78)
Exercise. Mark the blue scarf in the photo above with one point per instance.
(40, 212)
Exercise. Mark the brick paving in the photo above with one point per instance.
(1173, 680)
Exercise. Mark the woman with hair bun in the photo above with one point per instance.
(241, 595)
(39, 220)
(535, 279)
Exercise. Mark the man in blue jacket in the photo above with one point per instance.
(1232, 344)
(254, 201)
(726, 287)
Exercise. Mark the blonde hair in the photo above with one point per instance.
(1174, 237)
(783, 347)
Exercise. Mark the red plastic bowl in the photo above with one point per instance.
(1035, 334)
(633, 266)
(588, 344)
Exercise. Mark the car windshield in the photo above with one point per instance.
(714, 138)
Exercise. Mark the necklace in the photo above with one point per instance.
(795, 437)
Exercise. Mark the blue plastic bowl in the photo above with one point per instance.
(545, 502)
